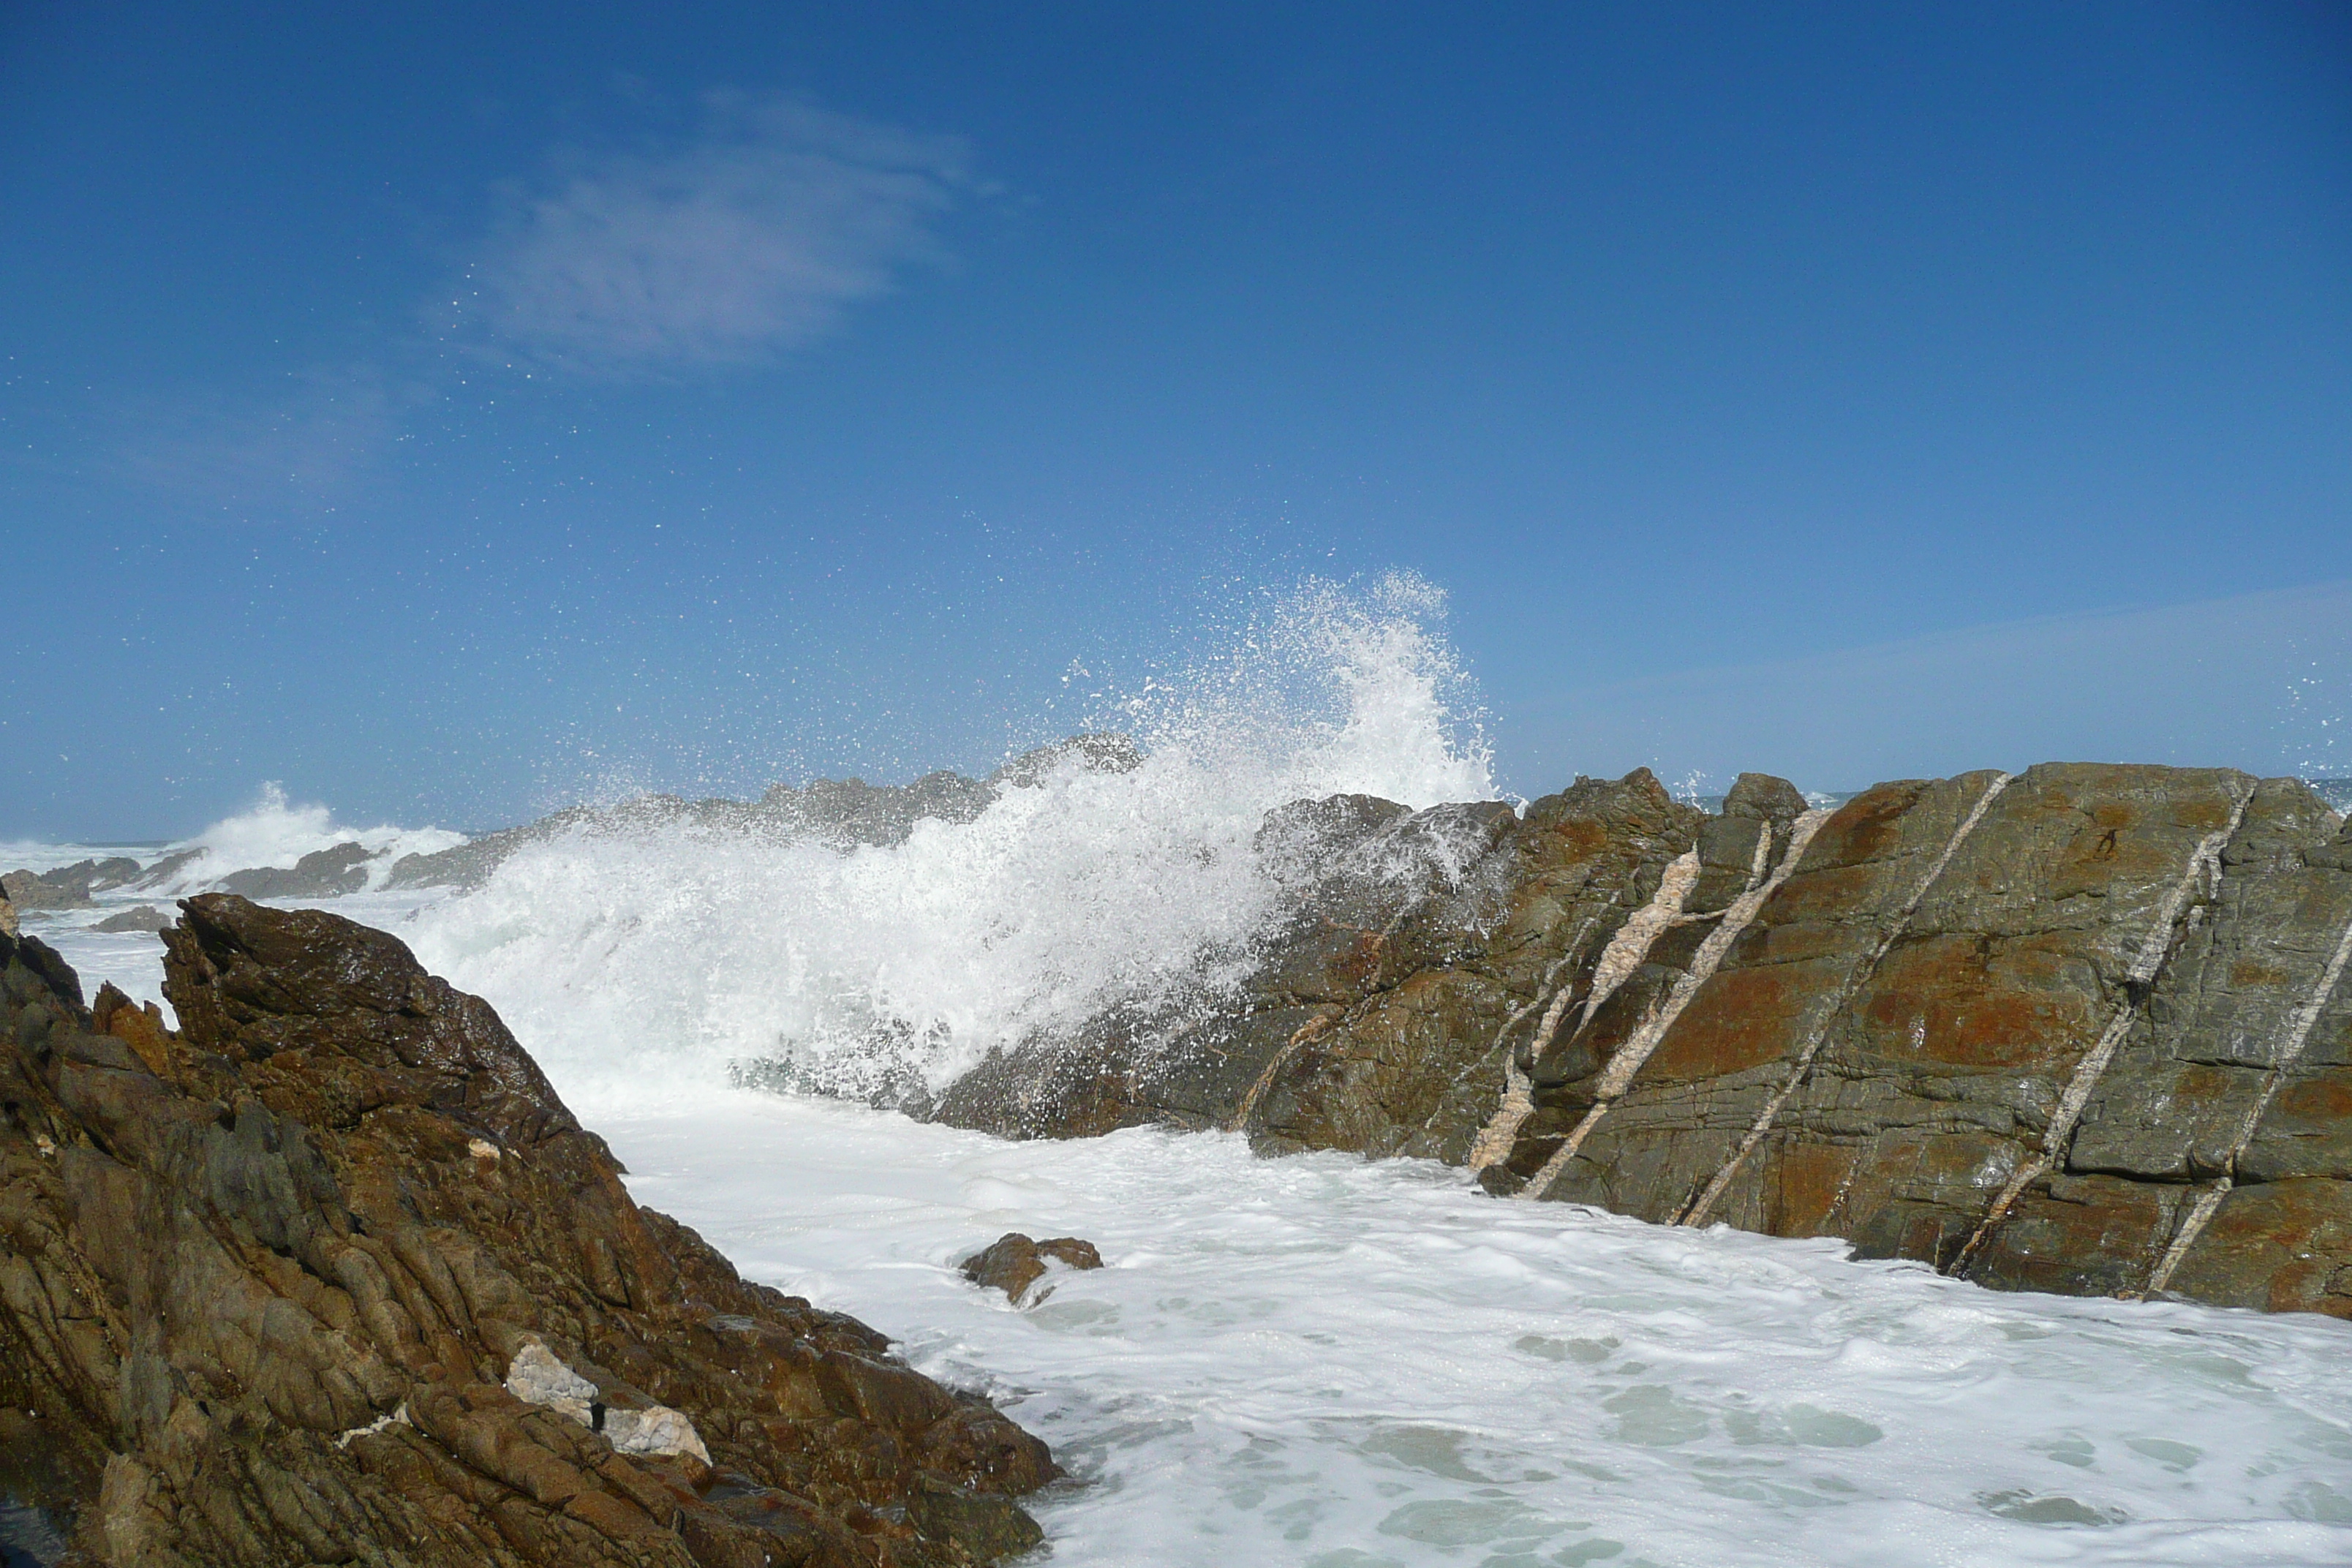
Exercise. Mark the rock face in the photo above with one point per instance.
(333, 1276)
(2085, 1029)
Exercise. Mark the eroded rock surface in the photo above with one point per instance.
(269, 1287)
(2086, 1028)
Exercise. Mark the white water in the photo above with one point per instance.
(1321, 1361)
(694, 950)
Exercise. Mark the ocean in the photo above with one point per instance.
(1316, 1359)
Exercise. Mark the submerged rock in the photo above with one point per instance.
(332, 1275)
(139, 917)
(1012, 1262)
(2086, 1028)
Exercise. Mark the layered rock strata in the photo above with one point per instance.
(2083, 1028)
(330, 1275)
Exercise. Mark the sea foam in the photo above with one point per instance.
(655, 957)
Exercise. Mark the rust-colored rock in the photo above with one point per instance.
(331, 1275)
(1013, 1263)
(2086, 1028)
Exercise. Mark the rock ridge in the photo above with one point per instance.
(2085, 1029)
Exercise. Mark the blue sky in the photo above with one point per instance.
(446, 411)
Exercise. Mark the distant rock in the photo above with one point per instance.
(841, 813)
(65, 888)
(1013, 1263)
(143, 917)
(114, 871)
(333, 1276)
(321, 874)
(167, 871)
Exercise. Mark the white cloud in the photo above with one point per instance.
(755, 237)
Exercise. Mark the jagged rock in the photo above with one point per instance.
(321, 874)
(139, 917)
(114, 871)
(267, 1286)
(1013, 1263)
(166, 872)
(2083, 1029)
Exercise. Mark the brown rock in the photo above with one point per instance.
(2086, 1028)
(1013, 1263)
(272, 1284)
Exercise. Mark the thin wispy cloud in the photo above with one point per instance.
(296, 454)
(727, 248)
(754, 238)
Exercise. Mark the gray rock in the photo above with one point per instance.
(321, 874)
(143, 917)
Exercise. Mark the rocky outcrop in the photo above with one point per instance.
(330, 1275)
(2083, 1028)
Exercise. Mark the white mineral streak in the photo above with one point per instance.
(2288, 1050)
(397, 1418)
(538, 1377)
(2204, 866)
(1502, 1129)
(1887, 937)
(1617, 1076)
(1631, 944)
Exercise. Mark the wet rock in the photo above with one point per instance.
(140, 917)
(321, 874)
(2086, 1028)
(331, 1275)
(1013, 1263)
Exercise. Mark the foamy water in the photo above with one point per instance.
(905, 964)
(1316, 1360)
